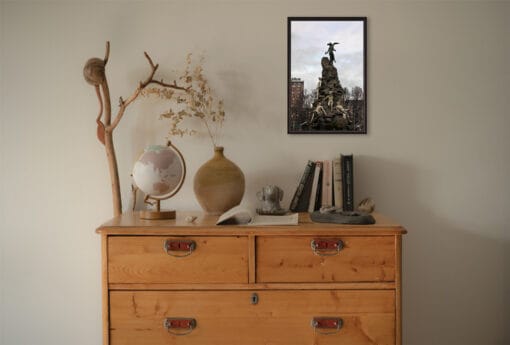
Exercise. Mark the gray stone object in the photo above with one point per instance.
(270, 197)
(341, 217)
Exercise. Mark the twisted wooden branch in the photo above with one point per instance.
(107, 53)
(123, 104)
(100, 124)
(95, 74)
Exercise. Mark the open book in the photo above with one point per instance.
(239, 215)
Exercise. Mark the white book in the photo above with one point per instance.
(337, 183)
(327, 184)
(240, 215)
(315, 186)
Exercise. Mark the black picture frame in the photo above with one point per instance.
(330, 107)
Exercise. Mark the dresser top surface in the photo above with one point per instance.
(131, 224)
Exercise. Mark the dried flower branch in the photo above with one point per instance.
(196, 102)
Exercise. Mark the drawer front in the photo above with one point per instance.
(325, 259)
(230, 318)
(151, 259)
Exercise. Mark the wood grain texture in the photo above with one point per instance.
(291, 259)
(142, 284)
(104, 283)
(229, 318)
(204, 225)
(251, 259)
(134, 259)
(258, 286)
(398, 290)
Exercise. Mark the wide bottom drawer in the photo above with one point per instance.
(243, 318)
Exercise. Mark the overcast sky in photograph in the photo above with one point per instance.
(309, 41)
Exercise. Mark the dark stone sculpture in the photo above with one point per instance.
(329, 111)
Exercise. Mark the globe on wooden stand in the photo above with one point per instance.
(159, 173)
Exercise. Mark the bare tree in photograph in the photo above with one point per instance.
(357, 93)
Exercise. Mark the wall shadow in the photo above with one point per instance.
(456, 282)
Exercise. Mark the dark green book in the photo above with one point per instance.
(301, 197)
(318, 195)
(347, 182)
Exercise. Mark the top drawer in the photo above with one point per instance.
(307, 259)
(154, 259)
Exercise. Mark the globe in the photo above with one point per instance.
(160, 171)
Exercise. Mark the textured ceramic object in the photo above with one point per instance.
(218, 184)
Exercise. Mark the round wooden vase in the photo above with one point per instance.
(218, 184)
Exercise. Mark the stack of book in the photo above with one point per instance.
(325, 183)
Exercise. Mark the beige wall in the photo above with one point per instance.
(435, 158)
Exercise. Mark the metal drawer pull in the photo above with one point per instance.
(327, 325)
(179, 325)
(326, 247)
(179, 248)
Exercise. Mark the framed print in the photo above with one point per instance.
(327, 74)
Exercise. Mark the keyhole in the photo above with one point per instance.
(254, 298)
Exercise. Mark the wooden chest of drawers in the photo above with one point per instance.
(170, 282)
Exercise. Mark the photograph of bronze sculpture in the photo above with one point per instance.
(327, 75)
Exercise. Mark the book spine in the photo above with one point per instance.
(318, 195)
(330, 183)
(304, 199)
(337, 183)
(326, 184)
(301, 186)
(315, 187)
(348, 182)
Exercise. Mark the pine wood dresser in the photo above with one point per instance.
(171, 282)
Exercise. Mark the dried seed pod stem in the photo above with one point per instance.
(196, 103)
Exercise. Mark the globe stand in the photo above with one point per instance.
(156, 214)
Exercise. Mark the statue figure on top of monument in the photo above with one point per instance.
(330, 51)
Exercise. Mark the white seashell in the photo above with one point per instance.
(366, 205)
(190, 219)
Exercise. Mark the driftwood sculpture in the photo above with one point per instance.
(94, 73)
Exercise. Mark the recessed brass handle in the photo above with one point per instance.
(327, 325)
(326, 247)
(179, 248)
(179, 325)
